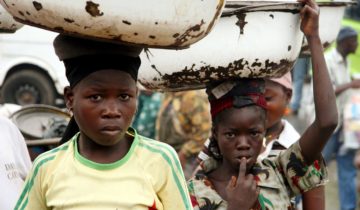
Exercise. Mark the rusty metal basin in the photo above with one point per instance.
(34, 120)
(331, 14)
(7, 22)
(252, 39)
(151, 23)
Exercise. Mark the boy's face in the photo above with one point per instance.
(277, 99)
(351, 44)
(103, 105)
(239, 134)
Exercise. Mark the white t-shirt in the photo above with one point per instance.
(287, 137)
(15, 163)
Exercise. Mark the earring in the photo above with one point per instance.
(264, 142)
(214, 149)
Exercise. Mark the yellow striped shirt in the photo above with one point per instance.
(149, 176)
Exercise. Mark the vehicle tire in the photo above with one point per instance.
(28, 86)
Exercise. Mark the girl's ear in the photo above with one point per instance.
(213, 132)
(69, 98)
(288, 93)
(137, 91)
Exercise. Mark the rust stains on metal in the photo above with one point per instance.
(187, 34)
(126, 22)
(154, 67)
(241, 21)
(38, 6)
(326, 45)
(118, 37)
(6, 4)
(217, 14)
(192, 76)
(93, 9)
(256, 63)
(59, 29)
(69, 20)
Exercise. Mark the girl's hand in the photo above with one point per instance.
(242, 191)
(309, 15)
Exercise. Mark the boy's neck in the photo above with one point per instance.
(104, 154)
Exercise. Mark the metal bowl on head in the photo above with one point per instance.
(7, 22)
(252, 39)
(151, 23)
(331, 14)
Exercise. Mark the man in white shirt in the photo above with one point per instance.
(14, 163)
(338, 64)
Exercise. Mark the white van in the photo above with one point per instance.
(30, 72)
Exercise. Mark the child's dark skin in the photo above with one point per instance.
(239, 132)
(277, 98)
(103, 107)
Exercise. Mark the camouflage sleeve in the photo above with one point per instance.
(300, 176)
(195, 121)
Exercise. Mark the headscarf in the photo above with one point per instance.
(82, 57)
(236, 93)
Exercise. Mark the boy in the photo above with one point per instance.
(106, 165)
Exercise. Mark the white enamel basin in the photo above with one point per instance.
(331, 14)
(7, 22)
(155, 23)
(250, 40)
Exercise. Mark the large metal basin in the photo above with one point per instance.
(252, 39)
(7, 22)
(331, 14)
(152, 23)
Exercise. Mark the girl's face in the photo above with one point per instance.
(240, 133)
(103, 105)
(277, 99)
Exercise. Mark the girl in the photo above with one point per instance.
(233, 178)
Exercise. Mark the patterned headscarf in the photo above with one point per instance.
(236, 93)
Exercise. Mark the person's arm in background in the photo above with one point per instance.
(194, 117)
(354, 84)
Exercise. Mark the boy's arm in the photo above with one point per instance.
(315, 137)
(31, 196)
(174, 193)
